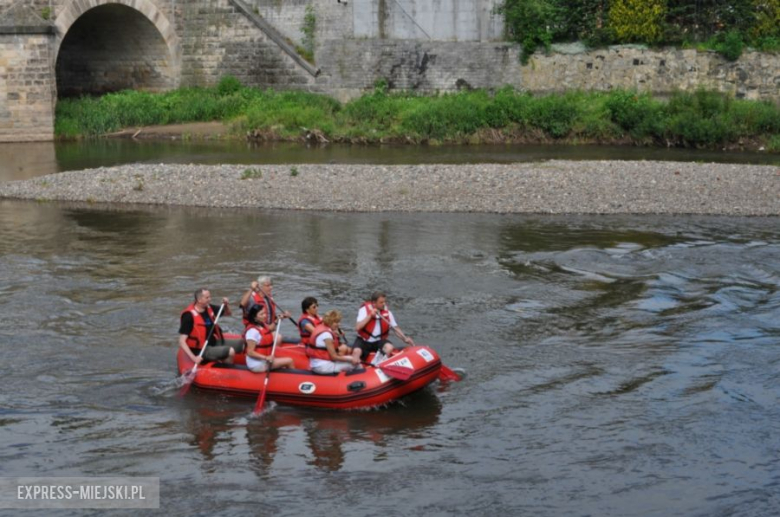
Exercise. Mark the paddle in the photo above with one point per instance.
(445, 373)
(261, 397)
(283, 311)
(402, 373)
(288, 317)
(190, 376)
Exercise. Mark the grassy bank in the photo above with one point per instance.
(701, 119)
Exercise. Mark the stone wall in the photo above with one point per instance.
(333, 19)
(26, 88)
(432, 20)
(353, 66)
(754, 76)
(218, 40)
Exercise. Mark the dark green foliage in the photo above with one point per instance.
(509, 107)
(555, 115)
(228, 85)
(730, 45)
(700, 119)
(755, 117)
(638, 114)
(767, 44)
(454, 115)
(538, 23)
(583, 20)
(532, 23)
(377, 109)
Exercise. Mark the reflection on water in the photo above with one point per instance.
(319, 436)
(627, 365)
(24, 161)
(29, 160)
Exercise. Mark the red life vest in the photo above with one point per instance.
(266, 338)
(367, 332)
(198, 333)
(305, 334)
(312, 350)
(254, 299)
(268, 303)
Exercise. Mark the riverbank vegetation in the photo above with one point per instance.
(726, 27)
(703, 119)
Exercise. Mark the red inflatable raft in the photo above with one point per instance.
(364, 387)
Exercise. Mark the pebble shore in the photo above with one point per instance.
(551, 187)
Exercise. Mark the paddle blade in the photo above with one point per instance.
(186, 380)
(261, 398)
(402, 373)
(260, 403)
(446, 374)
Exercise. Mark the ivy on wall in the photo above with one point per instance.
(308, 29)
(532, 23)
(726, 26)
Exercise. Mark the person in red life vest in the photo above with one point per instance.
(309, 318)
(259, 343)
(326, 354)
(195, 325)
(260, 293)
(374, 321)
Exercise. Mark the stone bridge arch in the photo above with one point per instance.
(108, 45)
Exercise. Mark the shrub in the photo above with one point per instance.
(228, 85)
(376, 109)
(637, 20)
(516, 107)
(705, 132)
(453, 115)
(553, 114)
(699, 119)
(530, 23)
(583, 20)
(767, 16)
(755, 117)
(730, 45)
(634, 112)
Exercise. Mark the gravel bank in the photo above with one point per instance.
(594, 187)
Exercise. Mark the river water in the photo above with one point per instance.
(22, 161)
(616, 365)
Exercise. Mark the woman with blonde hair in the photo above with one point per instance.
(326, 354)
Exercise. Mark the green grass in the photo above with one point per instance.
(697, 119)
